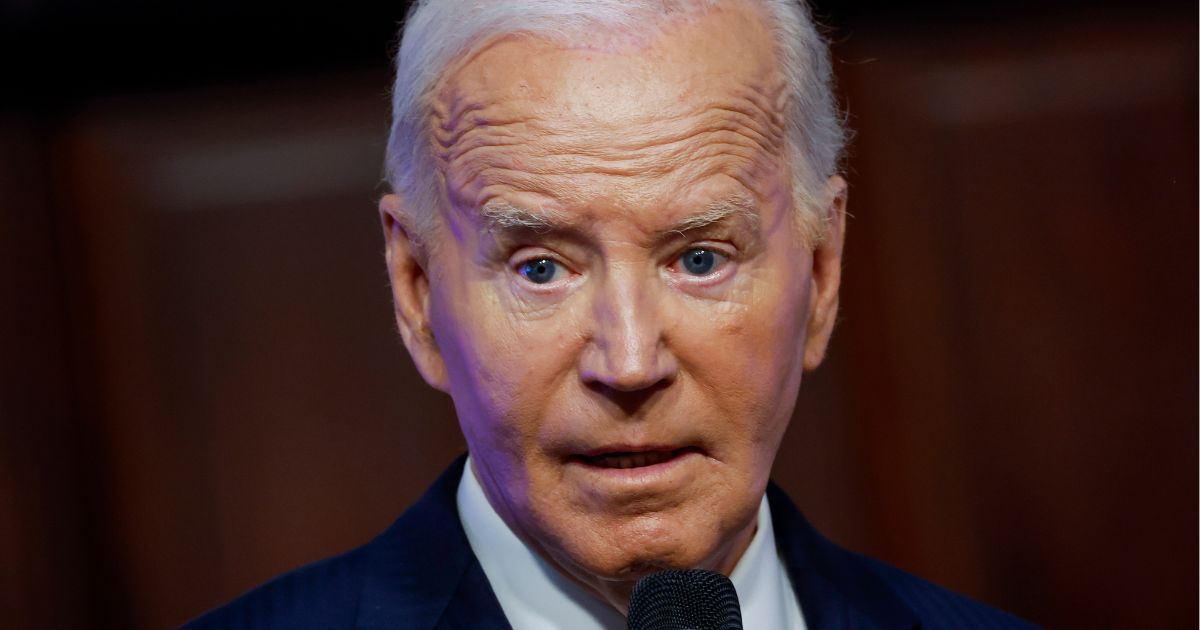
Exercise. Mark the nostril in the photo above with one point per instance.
(630, 382)
(629, 400)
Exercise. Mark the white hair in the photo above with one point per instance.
(438, 32)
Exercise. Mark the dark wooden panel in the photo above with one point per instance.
(54, 571)
(1022, 301)
(259, 410)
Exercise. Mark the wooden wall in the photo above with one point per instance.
(1022, 307)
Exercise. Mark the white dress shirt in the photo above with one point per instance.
(534, 596)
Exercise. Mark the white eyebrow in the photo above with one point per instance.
(737, 206)
(503, 215)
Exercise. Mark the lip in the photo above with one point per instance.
(630, 448)
(642, 464)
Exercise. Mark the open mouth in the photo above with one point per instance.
(632, 459)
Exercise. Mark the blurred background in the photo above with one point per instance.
(201, 386)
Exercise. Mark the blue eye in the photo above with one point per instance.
(698, 262)
(539, 270)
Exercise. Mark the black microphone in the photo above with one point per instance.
(684, 600)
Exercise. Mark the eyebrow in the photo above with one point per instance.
(740, 207)
(502, 216)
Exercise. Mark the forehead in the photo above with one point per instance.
(695, 110)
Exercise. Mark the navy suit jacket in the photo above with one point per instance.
(422, 574)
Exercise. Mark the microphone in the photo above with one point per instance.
(684, 600)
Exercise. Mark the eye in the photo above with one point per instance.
(539, 270)
(698, 261)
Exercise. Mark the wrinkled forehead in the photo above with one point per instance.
(689, 52)
(529, 115)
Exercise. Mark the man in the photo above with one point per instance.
(615, 241)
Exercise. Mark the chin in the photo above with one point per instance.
(644, 545)
(627, 567)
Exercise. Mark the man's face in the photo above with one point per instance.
(620, 301)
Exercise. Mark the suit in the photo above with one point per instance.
(422, 574)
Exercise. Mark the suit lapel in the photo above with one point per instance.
(421, 573)
(835, 588)
(473, 605)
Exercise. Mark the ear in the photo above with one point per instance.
(407, 257)
(826, 275)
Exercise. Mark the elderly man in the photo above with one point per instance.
(615, 241)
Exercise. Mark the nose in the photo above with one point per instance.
(627, 351)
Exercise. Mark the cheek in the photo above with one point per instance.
(505, 370)
(747, 353)
(763, 331)
(780, 332)
(473, 341)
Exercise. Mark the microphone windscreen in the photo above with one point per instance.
(694, 599)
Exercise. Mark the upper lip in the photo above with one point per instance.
(630, 448)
